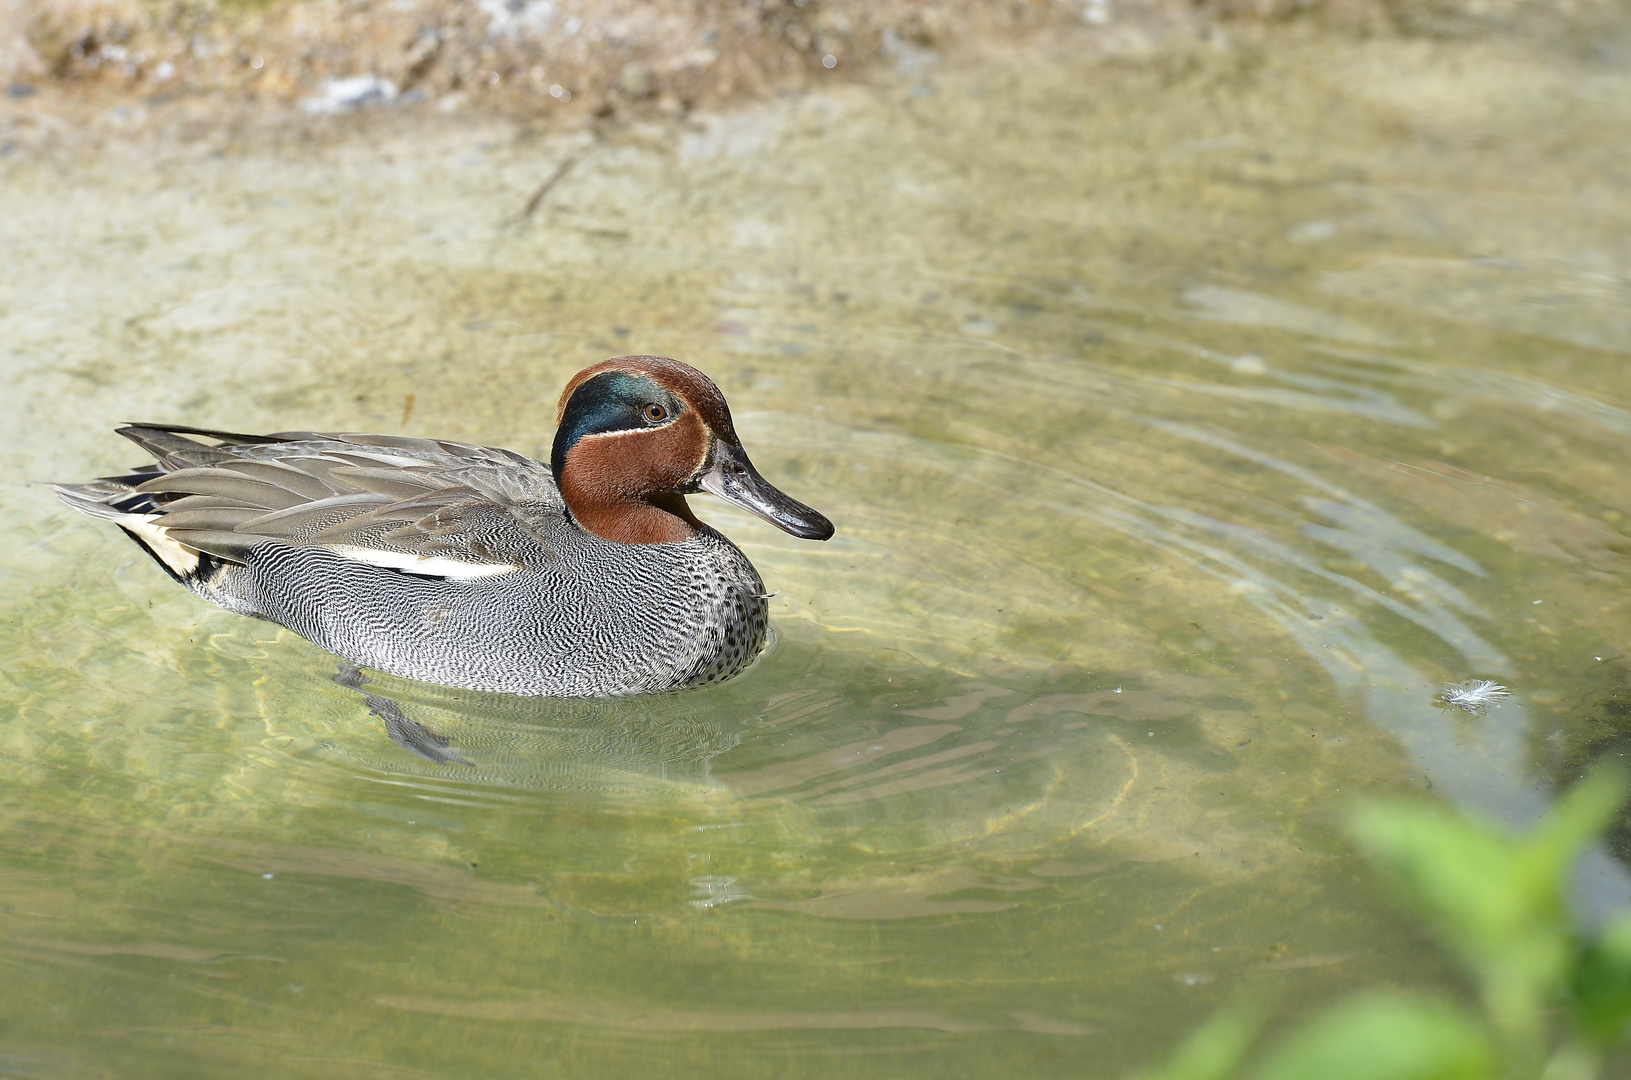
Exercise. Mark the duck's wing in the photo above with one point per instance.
(423, 506)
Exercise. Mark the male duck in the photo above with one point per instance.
(476, 567)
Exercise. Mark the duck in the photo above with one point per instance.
(472, 566)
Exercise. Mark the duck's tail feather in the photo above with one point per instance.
(115, 499)
(110, 498)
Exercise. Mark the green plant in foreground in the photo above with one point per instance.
(1553, 1000)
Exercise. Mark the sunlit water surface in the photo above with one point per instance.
(1188, 422)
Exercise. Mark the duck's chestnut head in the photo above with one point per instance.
(636, 434)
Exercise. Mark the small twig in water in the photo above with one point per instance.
(1473, 696)
(543, 189)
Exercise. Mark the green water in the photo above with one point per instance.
(1188, 420)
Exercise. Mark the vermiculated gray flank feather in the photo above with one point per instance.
(432, 560)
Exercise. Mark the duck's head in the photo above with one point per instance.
(636, 434)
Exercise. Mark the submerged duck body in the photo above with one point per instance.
(476, 567)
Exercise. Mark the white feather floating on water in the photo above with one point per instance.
(1474, 695)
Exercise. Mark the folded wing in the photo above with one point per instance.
(422, 506)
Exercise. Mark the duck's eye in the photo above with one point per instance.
(655, 413)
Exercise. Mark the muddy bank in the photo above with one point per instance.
(607, 56)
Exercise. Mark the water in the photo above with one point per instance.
(1188, 420)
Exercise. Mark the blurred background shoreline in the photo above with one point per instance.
(571, 63)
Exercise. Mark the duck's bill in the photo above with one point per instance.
(734, 479)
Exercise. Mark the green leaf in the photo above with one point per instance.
(1495, 897)
(1459, 872)
(1601, 984)
(1577, 819)
(1215, 1050)
(1385, 1038)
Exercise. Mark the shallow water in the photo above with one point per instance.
(1188, 421)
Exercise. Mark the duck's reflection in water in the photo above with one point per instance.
(411, 735)
(480, 742)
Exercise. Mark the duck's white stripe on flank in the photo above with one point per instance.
(174, 554)
(429, 565)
